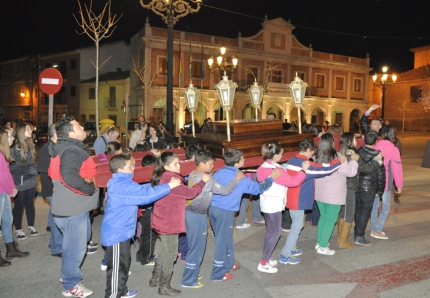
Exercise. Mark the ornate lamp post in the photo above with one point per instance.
(192, 95)
(171, 11)
(298, 91)
(384, 84)
(256, 94)
(223, 65)
(226, 89)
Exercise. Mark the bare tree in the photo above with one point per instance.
(424, 98)
(143, 73)
(96, 27)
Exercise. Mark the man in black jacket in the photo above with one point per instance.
(72, 171)
(376, 124)
(369, 184)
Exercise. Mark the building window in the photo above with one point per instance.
(276, 76)
(300, 74)
(73, 64)
(196, 69)
(112, 117)
(339, 83)
(36, 92)
(416, 92)
(112, 97)
(358, 85)
(251, 75)
(320, 81)
(72, 90)
(92, 117)
(63, 68)
(162, 66)
(92, 93)
(63, 96)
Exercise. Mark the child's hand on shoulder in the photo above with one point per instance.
(174, 182)
(206, 177)
(355, 156)
(240, 175)
(342, 158)
(276, 173)
(305, 165)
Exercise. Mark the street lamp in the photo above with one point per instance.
(223, 64)
(383, 84)
(256, 94)
(226, 89)
(192, 95)
(298, 91)
(171, 11)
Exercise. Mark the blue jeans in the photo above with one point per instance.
(6, 217)
(197, 230)
(377, 224)
(244, 204)
(296, 227)
(56, 240)
(222, 224)
(76, 233)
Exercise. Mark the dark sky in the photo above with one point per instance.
(386, 29)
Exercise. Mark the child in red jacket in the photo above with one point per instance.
(168, 219)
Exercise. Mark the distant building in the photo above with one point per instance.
(402, 101)
(338, 85)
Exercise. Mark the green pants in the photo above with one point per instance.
(168, 252)
(329, 214)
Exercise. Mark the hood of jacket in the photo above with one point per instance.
(367, 153)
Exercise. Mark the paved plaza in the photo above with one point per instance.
(397, 267)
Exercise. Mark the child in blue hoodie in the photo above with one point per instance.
(222, 211)
(119, 220)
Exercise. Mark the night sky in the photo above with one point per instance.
(385, 29)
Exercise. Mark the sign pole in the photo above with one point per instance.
(51, 110)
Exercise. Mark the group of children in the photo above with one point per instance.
(183, 206)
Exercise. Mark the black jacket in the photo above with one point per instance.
(42, 167)
(374, 181)
(364, 124)
(365, 168)
(24, 172)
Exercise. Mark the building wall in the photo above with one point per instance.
(273, 45)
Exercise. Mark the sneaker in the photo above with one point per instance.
(273, 262)
(243, 226)
(317, 246)
(91, 250)
(48, 228)
(266, 268)
(290, 260)
(235, 267)
(1, 234)
(150, 263)
(260, 222)
(285, 230)
(20, 235)
(33, 231)
(130, 293)
(92, 244)
(197, 285)
(378, 235)
(103, 267)
(78, 291)
(200, 276)
(361, 241)
(325, 251)
(227, 276)
(297, 252)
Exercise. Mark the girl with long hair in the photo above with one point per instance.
(24, 173)
(7, 190)
(348, 146)
(155, 139)
(273, 200)
(330, 191)
(168, 218)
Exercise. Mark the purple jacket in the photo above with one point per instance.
(6, 181)
(392, 163)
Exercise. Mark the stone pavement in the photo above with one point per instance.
(397, 267)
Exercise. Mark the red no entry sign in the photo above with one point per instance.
(50, 81)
